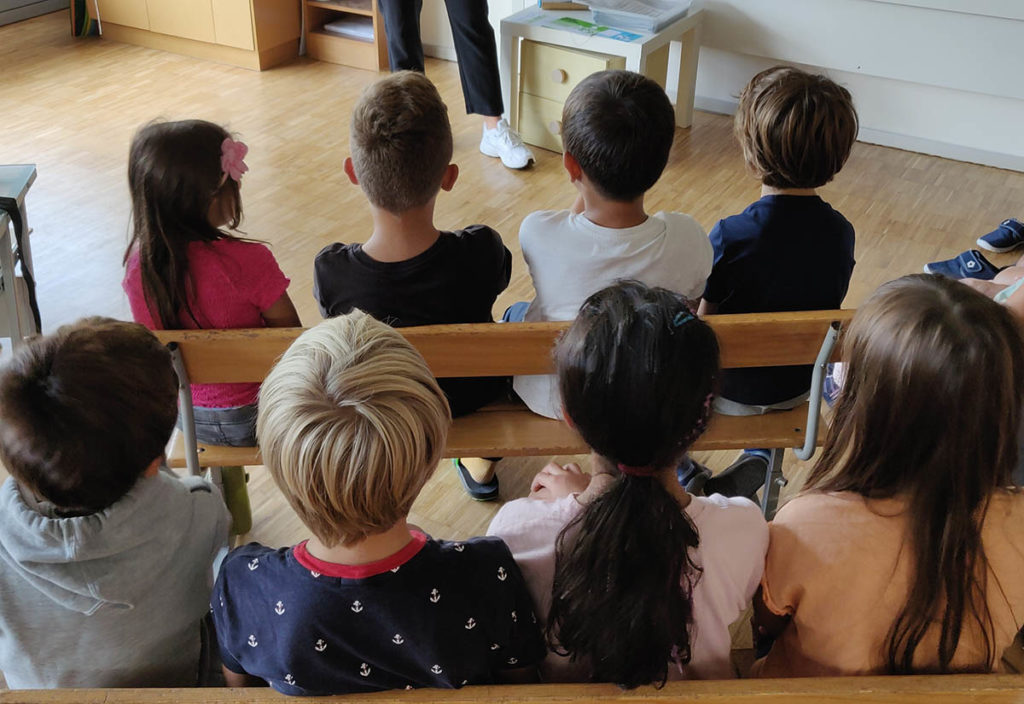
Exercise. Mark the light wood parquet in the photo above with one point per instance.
(71, 107)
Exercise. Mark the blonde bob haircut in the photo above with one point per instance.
(351, 424)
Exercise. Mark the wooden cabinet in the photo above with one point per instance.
(188, 19)
(546, 77)
(254, 34)
(349, 32)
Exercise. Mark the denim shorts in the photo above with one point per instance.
(234, 427)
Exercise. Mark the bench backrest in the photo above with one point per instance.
(501, 349)
(918, 689)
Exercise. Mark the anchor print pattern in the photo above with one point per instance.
(435, 596)
(356, 607)
(279, 608)
(288, 679)
(252, 641)
(436, 669)
(254, 563)
(470, 624)
(320, 645)
(398, 639)
(502, 574)
(365, 670)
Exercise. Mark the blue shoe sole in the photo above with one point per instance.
(476, 490)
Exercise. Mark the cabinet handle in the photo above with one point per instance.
(559, 76)
(555, 127)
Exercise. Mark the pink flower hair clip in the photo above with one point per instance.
(232, 154)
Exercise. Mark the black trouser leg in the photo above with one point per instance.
(478, 56)
(402, 26)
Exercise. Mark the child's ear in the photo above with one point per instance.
(572, 167)
(154, 467)
(451, 175)
(567, 419)
(350, 171)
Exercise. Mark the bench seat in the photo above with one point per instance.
(511, 430)
(916, 689)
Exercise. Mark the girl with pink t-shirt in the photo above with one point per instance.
(183, 270)
(637, 580)
(905, 551)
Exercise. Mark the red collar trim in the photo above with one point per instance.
(333, 569)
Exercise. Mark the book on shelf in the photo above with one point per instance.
(638, 15)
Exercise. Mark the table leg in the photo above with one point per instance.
(508, 63)
(8, 288)
(688, 55)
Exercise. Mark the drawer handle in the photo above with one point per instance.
(555, 127)
(559, 76)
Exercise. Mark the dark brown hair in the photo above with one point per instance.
(84, 411)
(174, 175)
(636, 372)
(401, 141)
(930, 411)
(796, 128)
(619, 126)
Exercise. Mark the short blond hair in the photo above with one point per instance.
(401, 141)
(351, 425)
(796, 128)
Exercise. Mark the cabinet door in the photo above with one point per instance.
(232, 23)
(130, 13)
(190, 19)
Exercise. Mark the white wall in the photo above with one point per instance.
(943, 77)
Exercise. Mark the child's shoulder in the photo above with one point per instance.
(473, 551)
(243, 253)
(719, 517)
(253, 557)
(474, 239)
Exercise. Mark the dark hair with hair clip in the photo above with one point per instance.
(636, 371)
(175, 175)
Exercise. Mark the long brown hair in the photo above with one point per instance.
(174, 175)
(930, 412)
(636, 371)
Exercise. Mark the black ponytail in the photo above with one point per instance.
(636, 371)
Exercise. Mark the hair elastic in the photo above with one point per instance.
(637, 471)
(232, 154)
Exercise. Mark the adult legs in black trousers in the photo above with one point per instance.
(474, 45)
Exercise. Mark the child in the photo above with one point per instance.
(183, 270)
(790, 250)
(351, 426)
(637, 579)
(408, 272)
(904, 553)
(105, 561)
(617, 128)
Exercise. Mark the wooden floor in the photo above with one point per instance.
(71, 106)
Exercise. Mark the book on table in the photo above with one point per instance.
(638, 15)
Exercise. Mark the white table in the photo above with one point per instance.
(683, 36)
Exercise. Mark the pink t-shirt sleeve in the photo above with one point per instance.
(259, 278)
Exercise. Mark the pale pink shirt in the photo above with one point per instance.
(733, 541)
(234, 282)
(839, 564)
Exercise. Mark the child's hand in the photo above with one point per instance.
(556, 482)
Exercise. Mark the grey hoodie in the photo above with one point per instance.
(111, 599)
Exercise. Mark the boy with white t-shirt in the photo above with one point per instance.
(617, 128)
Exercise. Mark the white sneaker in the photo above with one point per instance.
(505, 142)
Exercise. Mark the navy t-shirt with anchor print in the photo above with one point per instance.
(434, 614)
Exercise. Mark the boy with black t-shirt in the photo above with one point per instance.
(351, 426)
(410, 273)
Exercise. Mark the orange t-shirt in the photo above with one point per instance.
(838, 563)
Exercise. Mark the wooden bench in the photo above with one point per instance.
(923, 689)
(492, 349)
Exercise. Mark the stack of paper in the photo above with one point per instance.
(640, 15)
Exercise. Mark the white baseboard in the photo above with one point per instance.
(956, 152)
(440, 52)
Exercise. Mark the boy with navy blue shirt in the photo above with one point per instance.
(790, 250)
(351, 425)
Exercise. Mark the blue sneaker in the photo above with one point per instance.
(476, 490)
(832, 385)
(966, 265)
(1005, 238)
